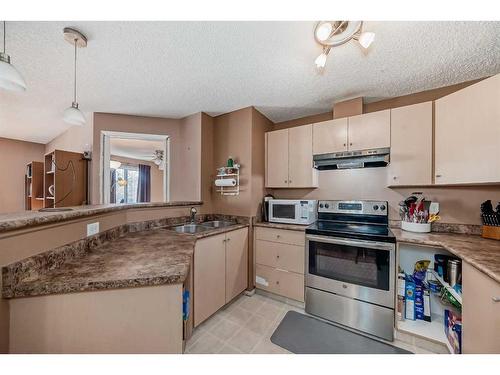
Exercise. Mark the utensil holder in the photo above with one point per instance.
(416, 227)
(491, 232)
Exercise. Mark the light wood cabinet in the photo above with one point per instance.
(280, 262)
(467, 134)
(236, 262)
(209, 277)
(370, 130)
(330, 136)
(220, 271)
(411, 145)
(289, 161)
(480, 313)
(277, 158)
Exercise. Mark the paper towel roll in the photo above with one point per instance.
(225, 182)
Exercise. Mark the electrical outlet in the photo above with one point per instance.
(92, 229)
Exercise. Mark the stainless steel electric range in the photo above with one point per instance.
(350, 266)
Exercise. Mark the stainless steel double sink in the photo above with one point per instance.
(201, 227)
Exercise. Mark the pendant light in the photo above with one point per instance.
(10, 78)
(73, 115)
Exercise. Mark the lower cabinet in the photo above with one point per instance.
(279, 258)
(220, 271)
(481, 312)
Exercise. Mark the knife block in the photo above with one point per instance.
(491, 232)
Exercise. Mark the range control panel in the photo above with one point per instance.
(354, 207)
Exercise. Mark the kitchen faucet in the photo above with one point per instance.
(193, 212)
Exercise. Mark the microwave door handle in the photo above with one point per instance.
(351, 242)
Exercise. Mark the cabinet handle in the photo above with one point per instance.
(223, 240)
(495, 299)
(350, 144)
(345, 144)
(228, 239)
(277, 283)
(395, 178)
(286, 181)
(438, 175)
(278, 236)
(277, 256)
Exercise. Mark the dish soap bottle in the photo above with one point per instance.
(230, 162)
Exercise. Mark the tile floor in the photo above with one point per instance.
(246, 325)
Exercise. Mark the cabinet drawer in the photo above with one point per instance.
(283, 283)
(279, 255)
(281, 235)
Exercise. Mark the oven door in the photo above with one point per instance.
(363, 270)
(284, 212)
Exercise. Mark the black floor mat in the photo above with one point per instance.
(302, 334)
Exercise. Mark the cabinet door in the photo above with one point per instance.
(300, 164)
(370, 130)
(209, 277)
(330, 136)
(467, 131)
(480, 313)
(277, 158)
(236, 262)
(411, 145)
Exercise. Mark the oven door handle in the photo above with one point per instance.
(350, 242)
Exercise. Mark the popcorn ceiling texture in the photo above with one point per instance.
(174, 69)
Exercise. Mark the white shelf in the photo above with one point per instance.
(49, 197)
(433, 330)
(50, 172)
(227, 175)
(453, 292)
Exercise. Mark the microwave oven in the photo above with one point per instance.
(303, 212)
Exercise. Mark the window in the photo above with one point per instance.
(127, 178)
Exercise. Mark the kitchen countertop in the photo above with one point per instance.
(481, 253)
(153, 257)
(296, 227)
(20, 220)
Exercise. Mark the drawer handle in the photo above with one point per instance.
(278, 236)
(495, 299)
(277, 256)
(277, 283)
(438, 175)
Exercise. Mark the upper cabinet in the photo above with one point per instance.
(467, 134)
(277, 158)
(289, 161)
(356, 133)
(411, 145)
(370, 130)
(330, 136)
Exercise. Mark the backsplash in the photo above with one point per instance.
(458, 205)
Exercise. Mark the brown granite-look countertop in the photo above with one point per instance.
(120, 259)
(20, 220)
(481, 253)
(296, 227)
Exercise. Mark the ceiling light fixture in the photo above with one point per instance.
(10, 78)
(73, 115)
(335, 33)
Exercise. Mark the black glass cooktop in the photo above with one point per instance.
(351, 230)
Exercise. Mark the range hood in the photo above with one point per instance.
(378, 157)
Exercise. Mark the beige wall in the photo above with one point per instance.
(207, 161)
(14, 156)
(186, 160)
(232, 137)
(181, 154)
(76, 139)
(240, 134)
(156, 176)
